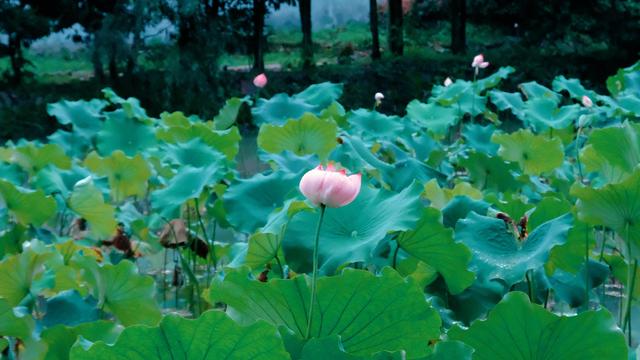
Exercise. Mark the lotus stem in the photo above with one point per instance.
(586, 268)
(631, 282)
(314, 276)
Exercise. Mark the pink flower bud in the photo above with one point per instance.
(586, 101)
(478, 62)
(330, 187)
(448, 81)
(260, 81)
(378, 96)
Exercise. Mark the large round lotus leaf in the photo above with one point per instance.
(373, 125)
(84, 116)
(459, 207)
(19, 274)
(195, 153)
(70, 308)
(463, 96)
(517, 329)
(28, 206)
(433, 117)
(229, 113)
(225, 141)
(618, 145)
(533, 90)
(440, 197)
(32, 157)
(121, 132)
(593, 161)
(129, 296)
(408, 170)
(490, 172)
(12, 324)
(308, 135)
(127, 176)
(543, 113)
(88, 202)
(433, 244)
(212, 336)
(351, 233)
(573, 87)
(494, 79)
(53, 180)
(60, 339)
(279, 109)
(508, 101)
(478, 137)
(187, 184)
(498, 255)
(320, 95)
(249, 202)
(536, 154)
(72, 144)
(615, 205)
(370, 313)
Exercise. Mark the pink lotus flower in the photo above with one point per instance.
(586, 101)
(260, 81)
(478, 62)
(330, 187)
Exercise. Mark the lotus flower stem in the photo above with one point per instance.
(395, 255)
(586, 268)
(314, 276)
(578, 155)
(631, 283)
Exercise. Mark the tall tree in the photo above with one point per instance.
(458, 26)
(373, 25)
(259, 12)
(396, 36)
(307, 42)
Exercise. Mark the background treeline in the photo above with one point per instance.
(215, 47)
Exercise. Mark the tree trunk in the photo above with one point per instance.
(307, 41)
(396, 41)
(17, 59)
(373, 24)
(458, 26)
(259, 11)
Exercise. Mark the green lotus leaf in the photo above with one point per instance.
(335, 112)
(229, 113)
(619, 146)
(320, 95)
(372, 125)
(543, 113)
(570, 288)
(121, 132)
(433, 244)
(508, 101)
(11, 239)
(73, 145)
(187, 184)
(88, 202)
(53, 180)
(129, 296)
(494, 79)
(451, 349)
(478, 137)
(28, 206)
(351, 233)
(60, 339)
(515, 205)
(433, 117)
(370, 313)
(619, 268)
(630, 104)
(84, 116)
(533, 90)
(570, 256)
(440, 197)
(517, 329)
(626, 80)
(19, 275)
(550, 207)
(616, 206)
(225, 141)
(536, 154)
(308, 135)
(462, 96)
(128, 176)
(13, 325)
(211, 336)
(496, 252)
(70, 308)
(490, 172)
(573, 87)
(130, 106)
(12, 172)
(459, 207)
(194, 153)
(32, 158)
(249, 202)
